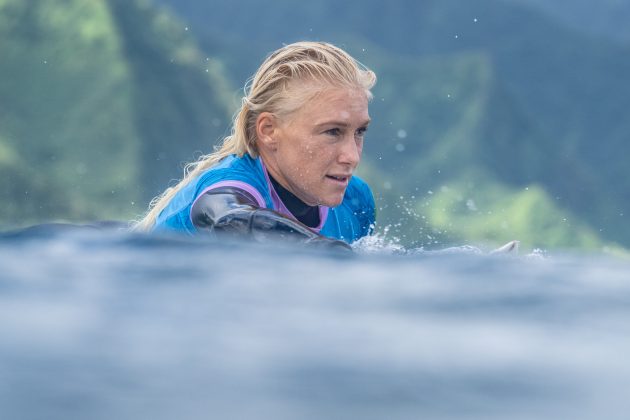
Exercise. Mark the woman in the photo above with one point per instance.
(286, 169)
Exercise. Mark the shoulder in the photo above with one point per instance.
(233, 165)
(241, 170)
(245, 173)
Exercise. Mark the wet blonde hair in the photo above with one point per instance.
(274, 89)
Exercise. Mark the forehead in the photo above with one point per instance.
(339, 103)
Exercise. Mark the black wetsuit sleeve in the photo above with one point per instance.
(229, 210)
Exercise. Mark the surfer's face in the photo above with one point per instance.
(314, 151)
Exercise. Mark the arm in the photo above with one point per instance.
(234, 211)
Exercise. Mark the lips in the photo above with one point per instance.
(341, 179)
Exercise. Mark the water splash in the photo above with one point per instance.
(384, 243)
(379, 243)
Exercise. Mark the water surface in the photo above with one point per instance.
(118, 326)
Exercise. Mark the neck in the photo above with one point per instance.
(309, 215)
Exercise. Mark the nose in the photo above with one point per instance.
(350, 153)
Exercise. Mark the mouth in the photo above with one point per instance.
(339, 179)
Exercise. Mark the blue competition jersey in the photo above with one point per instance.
(349, 221)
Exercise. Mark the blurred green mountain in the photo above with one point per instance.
(100, 102)
(492, 121)
(606, 18)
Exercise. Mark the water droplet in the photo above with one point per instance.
(401, 134)
(400, 147)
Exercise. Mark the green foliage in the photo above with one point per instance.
(68, 116)
(82, 123)
(180, 98)
(489, 210)
(13, 175)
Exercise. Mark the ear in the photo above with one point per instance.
(266, 128)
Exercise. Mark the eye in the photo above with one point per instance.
(335, 132)
(361, 132)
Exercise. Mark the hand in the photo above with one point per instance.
(328, 243)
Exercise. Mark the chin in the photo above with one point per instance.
(331, 201)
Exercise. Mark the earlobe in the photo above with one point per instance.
(266, 126)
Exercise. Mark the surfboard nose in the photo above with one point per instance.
(510, 247)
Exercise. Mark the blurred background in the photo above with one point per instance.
(493, 120)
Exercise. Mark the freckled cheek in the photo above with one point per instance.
(317, 154)
(309, 148)
(313, 170)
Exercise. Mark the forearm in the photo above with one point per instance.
(235, 212)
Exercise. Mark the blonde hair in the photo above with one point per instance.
(273, 89)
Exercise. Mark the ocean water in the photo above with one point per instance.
(97, 325)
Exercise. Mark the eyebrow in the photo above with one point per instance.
(341, 123)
